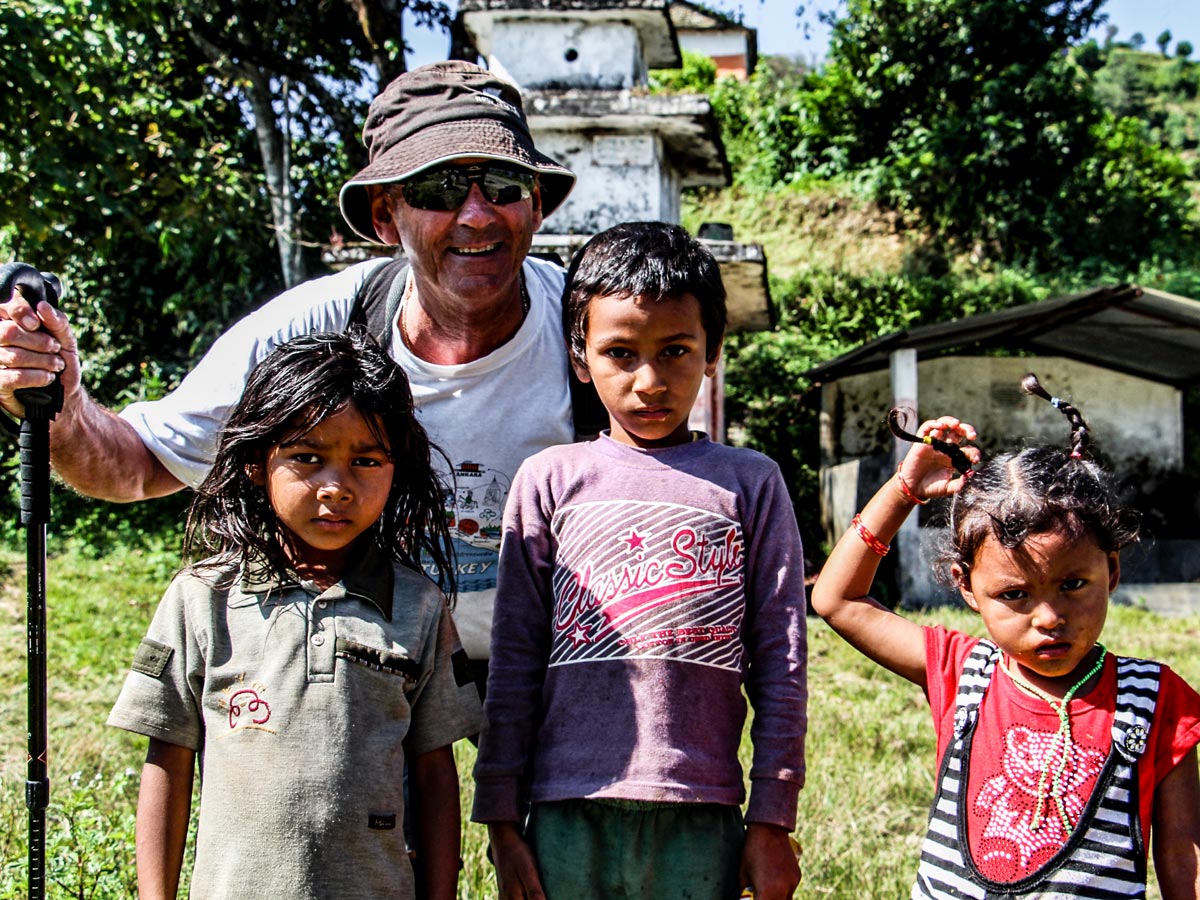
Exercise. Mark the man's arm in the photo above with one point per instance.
(91, 449)
(164, 805)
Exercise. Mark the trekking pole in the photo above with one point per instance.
(41, 406)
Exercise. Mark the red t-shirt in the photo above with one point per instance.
(1013, 737)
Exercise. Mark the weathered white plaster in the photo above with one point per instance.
(1135, 423)
(552, 54)
(622, 178)
(714, 43)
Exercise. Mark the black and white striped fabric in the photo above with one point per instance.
(1104, 858)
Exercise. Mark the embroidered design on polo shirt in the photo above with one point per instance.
(246, 707)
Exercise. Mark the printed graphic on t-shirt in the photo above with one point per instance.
(1024, 805)
(477, 504)
(636, 579)
(474, 496)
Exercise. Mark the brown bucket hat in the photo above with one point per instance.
(437, 113)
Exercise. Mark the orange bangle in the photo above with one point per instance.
(907, 491)
(869, 539)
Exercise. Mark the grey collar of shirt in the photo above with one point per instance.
(368, 576)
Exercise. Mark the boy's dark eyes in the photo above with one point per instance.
(1012, 596)
(1073, 584)
(671, 351)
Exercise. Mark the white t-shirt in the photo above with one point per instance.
(487, 415)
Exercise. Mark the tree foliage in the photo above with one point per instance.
(178, 162)
(305, 72)
(969, 118)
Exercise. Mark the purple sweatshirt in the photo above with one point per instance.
(639, 592)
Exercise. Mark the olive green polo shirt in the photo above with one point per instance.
(301, 706)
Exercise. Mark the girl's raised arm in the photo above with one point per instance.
(840, 596)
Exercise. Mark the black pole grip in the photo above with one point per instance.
(34, 445)
(40, 403)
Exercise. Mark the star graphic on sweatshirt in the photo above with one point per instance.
(580, 635)
(635, 540)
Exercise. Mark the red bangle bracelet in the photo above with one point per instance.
(907, 491)
(869, 539)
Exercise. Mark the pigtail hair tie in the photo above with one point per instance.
(1080, 437)
(958, 459)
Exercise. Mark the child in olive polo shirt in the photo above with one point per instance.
(309, 657)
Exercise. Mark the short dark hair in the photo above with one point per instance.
(298, 385)
(643, 259)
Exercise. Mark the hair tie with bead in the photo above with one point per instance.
(958, 459)
(1080, 437)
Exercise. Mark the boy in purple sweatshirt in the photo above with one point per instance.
(646, 579)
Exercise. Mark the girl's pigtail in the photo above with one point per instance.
(958, 459)
(1080, 438)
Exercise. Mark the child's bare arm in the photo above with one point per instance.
(1176, 831)
(164, 805)
(769, 863)
(437, 822)
(840, 595)
(516, 867)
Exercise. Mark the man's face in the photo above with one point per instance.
(472, 254)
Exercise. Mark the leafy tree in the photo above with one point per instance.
(967, 112)
(762, 122)
(972, 119)
(1163, 41)
(1183, 49)
(302, 74)
(697, 75)
(123, 170)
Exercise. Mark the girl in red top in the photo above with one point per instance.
(1057, 759)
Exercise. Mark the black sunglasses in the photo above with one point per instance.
(445, 188)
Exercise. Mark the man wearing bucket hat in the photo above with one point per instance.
(455, 180)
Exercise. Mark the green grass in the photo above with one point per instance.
(870, 742)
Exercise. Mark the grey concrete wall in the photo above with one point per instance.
(559, 54)
(1136, 424)
(621, 178)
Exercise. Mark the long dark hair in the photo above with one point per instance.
(298, 385)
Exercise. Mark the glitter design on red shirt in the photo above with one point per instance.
(1011, 847)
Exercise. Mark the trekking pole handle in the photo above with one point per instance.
(46, 402)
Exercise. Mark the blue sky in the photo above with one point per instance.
(780, 31)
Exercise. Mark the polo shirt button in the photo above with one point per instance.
(318, 640)
(321, 604)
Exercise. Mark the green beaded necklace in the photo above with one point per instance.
(1064, 734)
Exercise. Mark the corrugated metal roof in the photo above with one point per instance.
(1139, 331)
